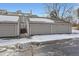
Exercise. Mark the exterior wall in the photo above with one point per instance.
(49, 28)
(9, 30)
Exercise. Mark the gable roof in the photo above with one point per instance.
(41, 20)
(5, 18)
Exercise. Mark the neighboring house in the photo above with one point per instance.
(16, 25)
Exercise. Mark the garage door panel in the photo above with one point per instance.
(40, 29)
(61, 28)
(8, 30)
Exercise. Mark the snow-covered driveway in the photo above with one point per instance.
(40, 38)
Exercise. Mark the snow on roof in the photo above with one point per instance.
(4, 18)
(43, 20)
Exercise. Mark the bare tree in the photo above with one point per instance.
(58, 11)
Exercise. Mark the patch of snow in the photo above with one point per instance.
(43, 38)
(13, 41)
(8, 18)
(2, 49)
(75, 31)
(40, 38)
(42, 20)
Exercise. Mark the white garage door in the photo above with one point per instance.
(8, 30)
(47, 28)
(40, 28)
(61, 28)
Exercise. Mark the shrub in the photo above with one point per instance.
(77, 27)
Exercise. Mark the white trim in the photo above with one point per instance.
(28, 26)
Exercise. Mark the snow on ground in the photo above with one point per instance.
(43, 38)
(13, 41)
(75, 31)
(40, 38)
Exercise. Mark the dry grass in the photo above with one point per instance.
(76, 25)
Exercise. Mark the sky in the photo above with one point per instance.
(37, 8)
